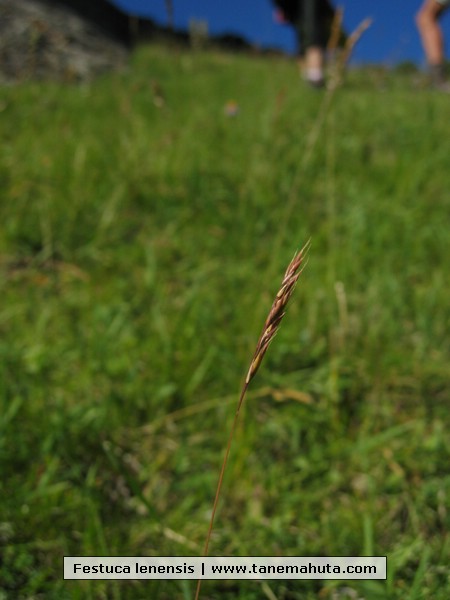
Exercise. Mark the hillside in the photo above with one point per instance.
(147, 220)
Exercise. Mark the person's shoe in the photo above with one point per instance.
(442, 86)
(316, 83)
(439, 80)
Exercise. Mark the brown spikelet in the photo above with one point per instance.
(354, 38)
(351, 42)
(336, 30)
(277, 311)
(270, 328)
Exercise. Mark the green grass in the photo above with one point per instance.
(140, 249)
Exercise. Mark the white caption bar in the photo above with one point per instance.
(225, 567)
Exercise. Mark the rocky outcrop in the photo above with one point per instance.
(40, 39)
(75, 40)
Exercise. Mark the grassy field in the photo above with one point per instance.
(144, 234)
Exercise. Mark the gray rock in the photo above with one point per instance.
(51, 40)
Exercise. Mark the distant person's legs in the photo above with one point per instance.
(427, 20)
(313, 27)
(312, 39)
(314, 66)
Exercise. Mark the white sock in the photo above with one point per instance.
(314, 74)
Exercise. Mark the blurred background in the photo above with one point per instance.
(156, 181)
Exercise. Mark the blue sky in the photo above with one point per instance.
(391, 39)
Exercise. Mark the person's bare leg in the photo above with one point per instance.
(314, 65)
(430, 31)
(427, 20)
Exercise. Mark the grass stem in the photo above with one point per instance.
(270, 328)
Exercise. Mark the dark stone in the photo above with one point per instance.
(40, 39)
(76, 40)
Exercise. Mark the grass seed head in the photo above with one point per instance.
(277, 311)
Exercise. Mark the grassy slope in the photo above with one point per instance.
(139, 251)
